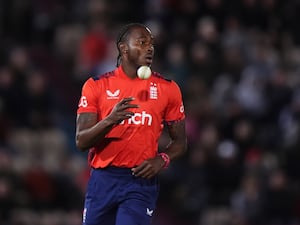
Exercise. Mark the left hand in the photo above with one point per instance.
(148, 168)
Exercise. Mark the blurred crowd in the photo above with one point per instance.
(238, 65)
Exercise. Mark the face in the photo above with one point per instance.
(140, 46)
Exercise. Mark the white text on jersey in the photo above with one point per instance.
(142, 118)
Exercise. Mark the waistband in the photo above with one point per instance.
(120, 172)
(115, 170)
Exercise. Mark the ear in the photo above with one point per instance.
(123, 48)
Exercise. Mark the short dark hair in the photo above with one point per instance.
(123, 35)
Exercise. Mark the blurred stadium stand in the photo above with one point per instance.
(238, 64)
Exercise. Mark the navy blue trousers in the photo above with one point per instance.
(115, 197)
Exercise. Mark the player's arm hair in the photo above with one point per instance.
(178, 143)
(89, 131)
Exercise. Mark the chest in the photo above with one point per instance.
(147, 94)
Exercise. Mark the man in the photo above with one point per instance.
(120, 118)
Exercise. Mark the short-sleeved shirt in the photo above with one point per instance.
(136, 139)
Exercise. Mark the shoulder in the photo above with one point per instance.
(94, 82)
(106, 75)
(97, 79)
(158, 77)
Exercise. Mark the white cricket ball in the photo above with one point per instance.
(144, 72)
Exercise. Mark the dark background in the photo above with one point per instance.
(237, 63)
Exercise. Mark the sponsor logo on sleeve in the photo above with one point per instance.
(181, 109)
(83, 102)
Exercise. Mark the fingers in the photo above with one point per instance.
(142, 172)
(145, 170)
(125, 104)
(120, 112)
(126, 100)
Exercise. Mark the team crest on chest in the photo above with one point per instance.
(153, 91)
(113, 95)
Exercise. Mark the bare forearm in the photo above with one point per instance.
(89, 137)
(178, 143)
(175, 149)
(90, 131)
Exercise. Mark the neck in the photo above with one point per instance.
(130, 71)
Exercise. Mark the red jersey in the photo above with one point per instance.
(136, 139)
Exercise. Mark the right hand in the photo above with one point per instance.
(120, 112)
